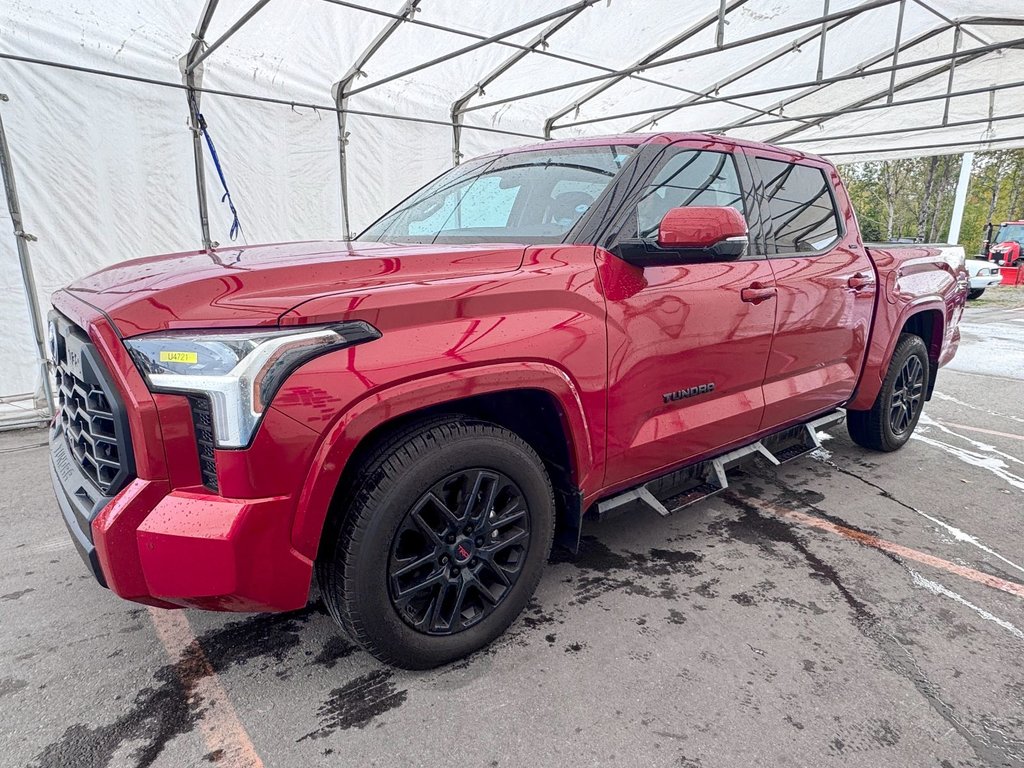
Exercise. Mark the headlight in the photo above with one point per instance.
(240, 371)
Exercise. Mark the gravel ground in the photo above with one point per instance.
(851, 607)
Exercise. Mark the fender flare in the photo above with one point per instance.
(876, 362)
(343, 437)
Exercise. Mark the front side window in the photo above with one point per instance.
(800, 210)
(531, 197)
(689, 177)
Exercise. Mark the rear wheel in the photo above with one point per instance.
(891, 420)
(975, 293)
(446, 532)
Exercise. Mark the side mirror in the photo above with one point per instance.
(691, 234)
(719, 231)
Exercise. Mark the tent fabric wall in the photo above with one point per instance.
(105, 168)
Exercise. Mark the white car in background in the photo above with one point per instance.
(984, 274)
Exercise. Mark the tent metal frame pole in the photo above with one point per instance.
(856, 106)
(956, 147)
(470, 35)
(821, 46)
(694, 29)
(859, 67)
(540, 51)
(581, 4)
(723, 11)
(253, 97)
(193, 79)
(952, 74)
(540, 40)
(865, 105)
(952, 22)
(960, 198)
(341, 91)
(909, 129)
(28, 280)
(895, 50)
(815, 22)
(260, 4)
(706, 93)
(823, 116)
(856, 74)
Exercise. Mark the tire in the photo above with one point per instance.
(975, 293)
(891, 420)
(432, 469)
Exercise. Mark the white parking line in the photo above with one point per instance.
(979, 429)
(938, 589)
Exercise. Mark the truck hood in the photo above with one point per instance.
(255, 285)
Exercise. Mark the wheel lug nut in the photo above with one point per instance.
(479, 542)
(455, 571)
(451, 539)
(473, 561)
(444, 560)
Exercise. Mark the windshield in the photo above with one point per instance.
(525, 197)
(1011, 232)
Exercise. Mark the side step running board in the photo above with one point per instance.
(683, 487)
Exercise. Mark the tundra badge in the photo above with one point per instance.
(679, 394)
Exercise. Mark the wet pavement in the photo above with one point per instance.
(855, 608)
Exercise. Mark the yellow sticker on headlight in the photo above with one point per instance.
(179, 357)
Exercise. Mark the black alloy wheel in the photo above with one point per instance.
(907, 396)
(888, 424)
(437, 541)
(459, 551)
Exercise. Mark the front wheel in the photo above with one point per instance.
(888, 424)
(446, 531)
(975, 293)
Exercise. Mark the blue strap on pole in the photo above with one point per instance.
(236, 225)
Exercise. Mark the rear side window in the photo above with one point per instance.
(689, 177)
(801, 213)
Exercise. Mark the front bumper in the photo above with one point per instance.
(188, 547)
(78, 499)
(985, 281)
(161, 538)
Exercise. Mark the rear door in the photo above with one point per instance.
(687, 346)
(825, 285)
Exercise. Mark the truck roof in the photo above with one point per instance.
(660, 138)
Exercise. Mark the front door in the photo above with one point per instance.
(687, 344)
(826, 289)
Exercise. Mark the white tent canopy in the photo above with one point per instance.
(98, 114)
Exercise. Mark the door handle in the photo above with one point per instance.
(755, 293)
(859, 281)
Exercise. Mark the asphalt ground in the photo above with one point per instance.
(848, 608)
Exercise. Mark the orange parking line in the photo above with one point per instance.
(1009, 587)
(223, 732)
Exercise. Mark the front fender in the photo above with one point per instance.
(342, 438)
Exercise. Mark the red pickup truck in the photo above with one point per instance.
(535, 338)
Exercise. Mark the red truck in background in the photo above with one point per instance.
(537, 337)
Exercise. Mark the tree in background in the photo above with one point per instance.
(913, 197)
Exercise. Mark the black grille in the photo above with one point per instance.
(90, 414)
(202, 422)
